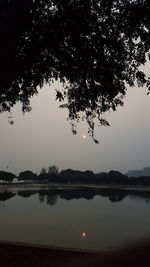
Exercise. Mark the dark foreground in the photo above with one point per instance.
(20, 255)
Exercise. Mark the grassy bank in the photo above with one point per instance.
(69, 186)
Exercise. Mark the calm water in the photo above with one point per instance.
(109, 218)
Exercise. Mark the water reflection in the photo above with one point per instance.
(114, 195)
(50, 196)
(6, 195)
(26, 193)
(93, 221)
(83, 234)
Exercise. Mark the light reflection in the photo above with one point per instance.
(83, 234)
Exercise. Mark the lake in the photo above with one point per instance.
(87, 218)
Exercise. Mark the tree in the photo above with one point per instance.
(53, 170)
(94, 48)
(43, 176)
(27, 176)
(7, 177)
(43, 171)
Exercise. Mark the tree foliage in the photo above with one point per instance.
(94, 48)
(27, 176)
(54, 170)
(7, 177)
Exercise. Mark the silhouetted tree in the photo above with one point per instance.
(53, 170)
(75, 176)
(7, 177)
(94, 48)
(43, 171)
(27, 176)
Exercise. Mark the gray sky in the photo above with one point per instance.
(43, 137)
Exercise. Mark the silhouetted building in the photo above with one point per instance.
(134, 173)
(146, 171)
(137, 173)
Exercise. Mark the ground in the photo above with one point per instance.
(23, 255)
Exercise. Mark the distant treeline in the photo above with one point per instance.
(70, 176)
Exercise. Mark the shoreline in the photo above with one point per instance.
(51, 247)
(71, 186)
(16, 254)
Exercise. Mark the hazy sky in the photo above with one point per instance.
(43, 137)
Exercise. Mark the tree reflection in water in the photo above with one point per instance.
(114, 195)
(48, 196)
(6, 195)
(51, 196)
